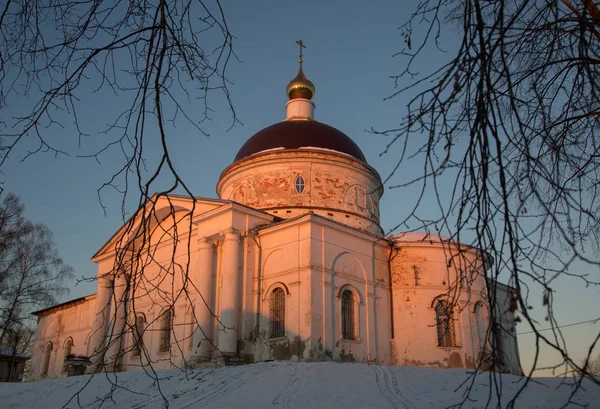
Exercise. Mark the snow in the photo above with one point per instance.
(320, 148)
(294, 385)
(279, 148)
(419, 236)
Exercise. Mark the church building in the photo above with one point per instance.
(289, 263)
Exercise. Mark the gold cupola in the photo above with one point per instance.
(300, 87)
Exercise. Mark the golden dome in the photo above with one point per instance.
(300, 87)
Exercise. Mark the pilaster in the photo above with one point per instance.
(229, 293)
(99, 325)
(202, 340)
(116, 328)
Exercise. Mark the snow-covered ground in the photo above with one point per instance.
(294, 385)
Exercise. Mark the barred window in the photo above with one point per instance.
(47, 354)
(138, 334)
(445, 324)
(348, 330)
(166, 322)
(277, 313)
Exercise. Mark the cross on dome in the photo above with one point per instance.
(300, 87)
(301, 44)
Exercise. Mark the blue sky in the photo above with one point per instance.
(349, 58)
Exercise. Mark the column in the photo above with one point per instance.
(100, 318)
(116, 328)
(202, 345)
(229, 293)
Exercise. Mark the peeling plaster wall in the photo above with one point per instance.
(313, 259)
(336, 186)
(358, 263)
(284, 263)
(421, 272)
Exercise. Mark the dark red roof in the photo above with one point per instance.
(300, 134)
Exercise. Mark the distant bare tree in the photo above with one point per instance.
(34, 275)
(20, 341)
(593, 366)
(505, 132)
(11, 221)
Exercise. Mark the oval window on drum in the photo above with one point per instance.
(299, 184)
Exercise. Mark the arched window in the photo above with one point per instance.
(277, 313)
(67, 353)
(481, 324)
(46, 361)
(138, 334)
(299, 184)
(348, 330)
(166, 322)
(68, 347)
(88, 347)
(445, 324)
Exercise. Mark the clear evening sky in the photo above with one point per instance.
(349, 58)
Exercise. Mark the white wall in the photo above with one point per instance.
(71, 320)
(313, 259)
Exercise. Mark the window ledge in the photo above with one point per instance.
(351, 341)
(283, 338)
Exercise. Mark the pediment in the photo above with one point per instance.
(156, 210)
